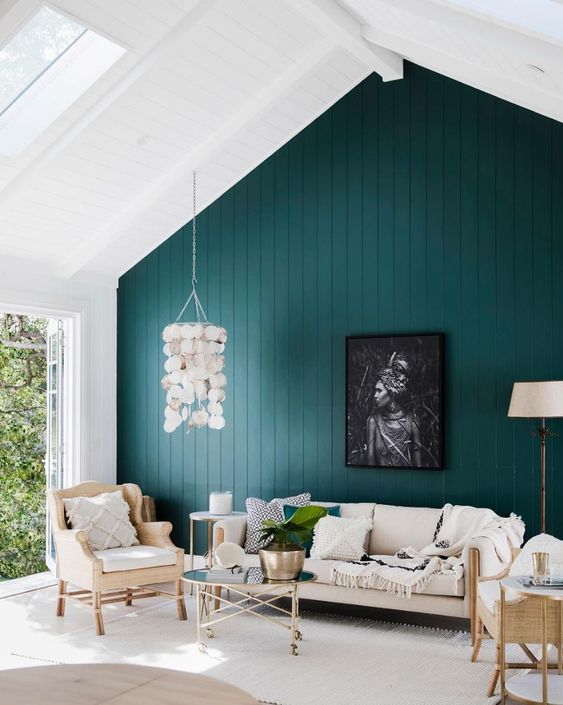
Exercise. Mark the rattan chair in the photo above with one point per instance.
(522, 623)
(82, 567)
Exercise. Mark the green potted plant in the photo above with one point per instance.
(283, 556)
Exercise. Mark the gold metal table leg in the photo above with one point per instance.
(502, 646)
(199, 609)
(191, 552)
(559, 641)
(294, 631)
(544, 650)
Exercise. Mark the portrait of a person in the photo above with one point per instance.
(394, 404)
(393, 434)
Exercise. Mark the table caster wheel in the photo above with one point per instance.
(294, 650)
(210, 633)
(298, 636)
(202, 647)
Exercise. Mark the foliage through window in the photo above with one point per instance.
(23, 372)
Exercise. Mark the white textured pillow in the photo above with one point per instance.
(104, 518)
(340, 539)
(523, 565)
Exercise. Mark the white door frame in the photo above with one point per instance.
(73, 389)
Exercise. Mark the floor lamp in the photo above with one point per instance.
(538, 400)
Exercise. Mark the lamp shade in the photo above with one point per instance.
(536, 400)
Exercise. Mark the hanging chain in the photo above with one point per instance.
(194, 278)
(199, 310)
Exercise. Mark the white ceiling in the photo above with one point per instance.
(219, 85)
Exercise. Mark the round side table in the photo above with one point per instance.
(210, 519)
(545, 688)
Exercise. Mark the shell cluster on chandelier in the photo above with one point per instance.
(194, 381)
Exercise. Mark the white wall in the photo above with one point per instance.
(95, 303)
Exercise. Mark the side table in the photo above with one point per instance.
(210, 519)
(545, 688)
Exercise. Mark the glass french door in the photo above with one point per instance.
(54, 457)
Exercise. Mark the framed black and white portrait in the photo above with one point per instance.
(394, 404)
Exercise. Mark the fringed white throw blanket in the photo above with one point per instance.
(395, 574)
(411, 569)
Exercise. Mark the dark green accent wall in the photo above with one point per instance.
(417, 205)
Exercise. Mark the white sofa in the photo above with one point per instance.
(394, 527)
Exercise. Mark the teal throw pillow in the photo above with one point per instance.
(289, 511)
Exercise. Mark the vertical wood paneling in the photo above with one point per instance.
(420, 205)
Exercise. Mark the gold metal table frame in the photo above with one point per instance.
(245, 602)
(533, 688)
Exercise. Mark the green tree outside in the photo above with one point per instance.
(23, 408)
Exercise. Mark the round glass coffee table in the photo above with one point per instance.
(250, 594)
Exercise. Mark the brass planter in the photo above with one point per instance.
(282, 561)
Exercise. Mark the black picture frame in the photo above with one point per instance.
(401, 426)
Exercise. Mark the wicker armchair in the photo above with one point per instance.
(522, 623)
(100, 578)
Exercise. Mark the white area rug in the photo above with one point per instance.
(342, 661)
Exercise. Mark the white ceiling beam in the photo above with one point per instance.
(256, 107)
(189, 23)
(335, 22)
(516, 39)
(475, 75)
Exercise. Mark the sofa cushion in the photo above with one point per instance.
(397, 527)
(289, 511)
(104, 518)
(134, 557)
(340, 538)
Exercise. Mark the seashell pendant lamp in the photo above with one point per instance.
(194, 381)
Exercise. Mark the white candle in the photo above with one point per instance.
(220, 503)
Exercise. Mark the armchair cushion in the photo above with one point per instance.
(489, 592)
(134, 557)
(523, 565)
(104, 518)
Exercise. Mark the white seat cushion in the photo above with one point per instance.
(399, 527)
(134, 557)
(439, 584)
(489, 592)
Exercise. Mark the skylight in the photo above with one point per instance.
(44, 68)
(33, 50)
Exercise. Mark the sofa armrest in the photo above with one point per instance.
(232, 529)
(489, 562)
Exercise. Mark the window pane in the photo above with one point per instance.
(36, 47)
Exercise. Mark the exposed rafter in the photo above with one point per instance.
(518, 40)
(256, 107)
(338, 24)
(470, 73)
(189, 23)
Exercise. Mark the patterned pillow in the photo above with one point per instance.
(258, 510)
(340, 538)
(104, 518)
